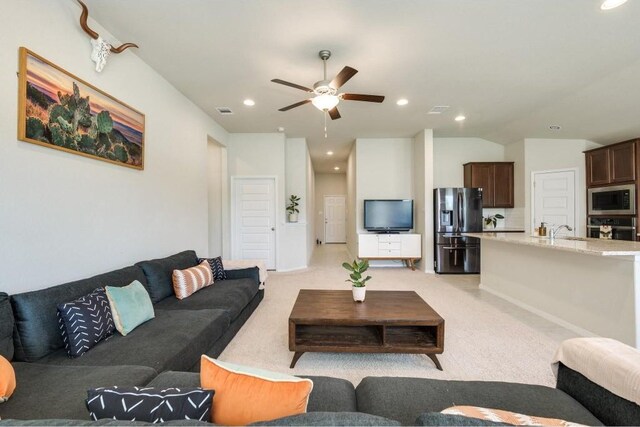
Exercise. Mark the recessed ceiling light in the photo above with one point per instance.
(280, 129)
(402, 101)
(249, 102)
(329, 153)
(555, 127)
(460, 118)
(612, 4)
(336, 168)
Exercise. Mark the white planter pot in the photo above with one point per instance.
(293, 217)
(359, 293)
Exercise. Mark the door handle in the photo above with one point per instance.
(273, 229)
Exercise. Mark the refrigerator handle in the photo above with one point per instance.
(460, 212)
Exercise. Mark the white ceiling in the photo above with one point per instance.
(512, 67)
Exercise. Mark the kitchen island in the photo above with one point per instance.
(591, 286)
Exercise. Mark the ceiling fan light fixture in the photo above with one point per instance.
(611, 4)
(325, 102)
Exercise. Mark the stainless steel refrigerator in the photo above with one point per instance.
(457, 210)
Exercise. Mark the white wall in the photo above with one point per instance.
(216, 171)
(352, 231)
(515, 153)
(384, 171)
(78, 216)
(423, 184)
(452, 153)
(327, 184)
(553, 154)
(311, 206)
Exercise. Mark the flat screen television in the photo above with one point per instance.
(388, 215)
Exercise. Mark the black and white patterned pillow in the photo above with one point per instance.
(216, 267)
(85, 322)
(149, 404)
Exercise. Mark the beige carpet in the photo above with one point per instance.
(481, 342)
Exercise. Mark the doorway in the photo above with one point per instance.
(254, 219)
(335, 230)
(554, 198)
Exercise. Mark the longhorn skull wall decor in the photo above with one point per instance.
(101, 48)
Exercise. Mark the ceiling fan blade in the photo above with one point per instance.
(343, 77)
(359, 97)
(297, 104)
(282, 82)
(334, 113)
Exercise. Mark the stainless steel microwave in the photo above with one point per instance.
(617, 200)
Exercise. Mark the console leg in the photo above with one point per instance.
(412, 265)
(297, 356)
(436, 361)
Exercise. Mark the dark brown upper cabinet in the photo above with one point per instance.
(495, 179)
(613, 164)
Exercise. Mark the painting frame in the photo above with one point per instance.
(117, 137)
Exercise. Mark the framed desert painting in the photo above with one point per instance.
(61, 111)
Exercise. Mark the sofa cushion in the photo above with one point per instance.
(189, 281)
(244, 273)
(272, 394)
(159, 273)
(48, 391)
(217, 269)
(230, 295)
(174, 340)
(330, 419)
(404, 399)
(149, 404)
(328, 394)
(7, 380)
(612, 410)
(36, 312)
(6, 327)
(438, 419)
(85, 322)
(130, 305)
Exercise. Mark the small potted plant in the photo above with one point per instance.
(355, 277)
(292, 208)
(492, 220)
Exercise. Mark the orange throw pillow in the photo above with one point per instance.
(245, 395)
(7, 379)
(507, 417)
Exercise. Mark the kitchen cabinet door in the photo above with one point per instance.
(622, 161)
(503, 185)
(480, 175)
(598, 168)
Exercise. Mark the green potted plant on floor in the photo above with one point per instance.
(358, 283)
(292, 208)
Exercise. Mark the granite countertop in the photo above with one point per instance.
(587, 246)
(503, 230)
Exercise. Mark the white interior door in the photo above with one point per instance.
(335, 230)
(554, 199)
(254, 220)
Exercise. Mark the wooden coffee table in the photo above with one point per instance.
(387, 322)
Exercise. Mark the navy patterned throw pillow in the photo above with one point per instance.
(149, 404)
(85, 322)
(216, 267)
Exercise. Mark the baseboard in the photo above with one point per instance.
(287, 270)
(541, 313)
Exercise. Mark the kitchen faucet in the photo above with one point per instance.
(554, 231)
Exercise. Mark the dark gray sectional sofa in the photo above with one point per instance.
(52, 385)
(51, 388)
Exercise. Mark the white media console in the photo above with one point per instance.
(405, 247)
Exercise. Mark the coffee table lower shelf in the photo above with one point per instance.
(413, 339)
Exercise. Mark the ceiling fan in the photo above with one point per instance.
(326, 97)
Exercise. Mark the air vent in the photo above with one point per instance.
(438, 109)
(224, 110)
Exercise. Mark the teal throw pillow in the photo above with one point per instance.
(130, 306)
